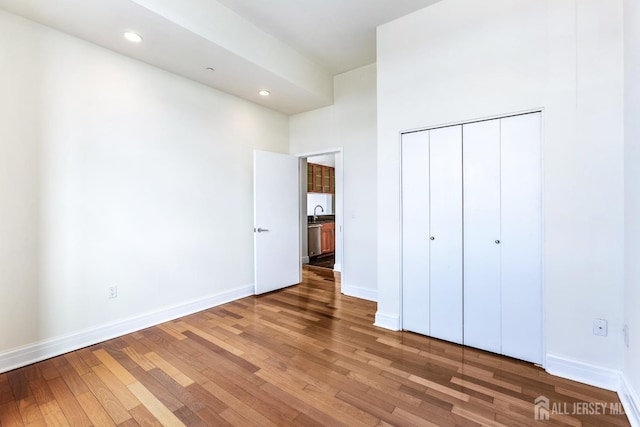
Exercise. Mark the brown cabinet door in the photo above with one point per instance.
(326, 179)
(317, 179)
(332, 242)
(332, 176)
(310, 177)
(328, 239)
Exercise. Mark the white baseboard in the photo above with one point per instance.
(387, 321)
(583, 372)
(362, 293)
(46, 349)
(630, 401)
(304, 260)
(337, 267)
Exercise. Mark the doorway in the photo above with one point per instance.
(321, 187)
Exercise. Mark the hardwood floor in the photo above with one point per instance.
(325, 261)
(302, 356)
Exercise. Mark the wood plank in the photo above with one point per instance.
(140, 359)
(413, 419)
(366, 405)
(212, 419)
(10, 414)
(188, 417)
(320, 398)
(116, 368)
(119, 390)
(6, 394)
(155, 407)
(53, 415)
(191, 331)
(180, 393)
(129, 423)
(94, 410)
(169, 369)
(30, 411)
(77, 362)
(106, 398)
(308, 414)
(70, 376)
(237, 406)
(88, 357)
(145, 418)
(19, 384)
(138, 344)
(157, 389)
(246, 391)
(68, 403)
(207, 399)
(32, 372)
(171, 329)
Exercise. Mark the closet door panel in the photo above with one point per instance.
(415, 232)
(445, 182)
(521, 237)
(481, 179)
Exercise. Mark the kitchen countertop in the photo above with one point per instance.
(322, 219)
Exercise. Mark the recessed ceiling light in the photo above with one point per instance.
(133, 37)
(264, 93)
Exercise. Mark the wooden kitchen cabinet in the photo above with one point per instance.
(310, 172)
(321, 179)
(332, 175)
(328, 238)
(317, 178)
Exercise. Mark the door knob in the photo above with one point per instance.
(497, 242)
(260, 230)
(432, 238)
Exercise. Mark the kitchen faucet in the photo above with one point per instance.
(315, 215)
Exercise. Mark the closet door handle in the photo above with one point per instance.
(432, 238)
(497, 242)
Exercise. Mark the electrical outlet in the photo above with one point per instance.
(600, 327)
(113, 292)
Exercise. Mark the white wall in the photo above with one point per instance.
(351, 124)
(463, 59)
(632, 193)
(319, 199)
(113, 172)
(325, 159)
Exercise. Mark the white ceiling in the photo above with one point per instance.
(340, 35)
(291, 47)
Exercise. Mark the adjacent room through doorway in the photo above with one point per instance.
(320, 205)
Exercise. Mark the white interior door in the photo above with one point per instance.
(481, 176)
(276, 216)
(445, 241)
(415, 232)
(521, 243)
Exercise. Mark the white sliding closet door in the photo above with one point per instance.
(445, 188)
(472, 235)
(521, 237)
(415, 232)
(481, 175)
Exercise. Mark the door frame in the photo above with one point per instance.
(339, 207)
